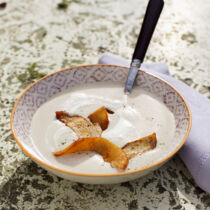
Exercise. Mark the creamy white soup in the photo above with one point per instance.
(135, 115)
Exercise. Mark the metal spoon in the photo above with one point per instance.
(151, 17)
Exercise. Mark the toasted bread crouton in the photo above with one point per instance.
(140, 146)
(80, 125)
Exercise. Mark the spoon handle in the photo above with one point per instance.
(153, 11)
(151, 17)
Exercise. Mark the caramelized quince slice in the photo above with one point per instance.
(140, 146)
(110, 152)
(100, 116)
(80, 125)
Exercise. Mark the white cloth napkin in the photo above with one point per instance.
(196, 151)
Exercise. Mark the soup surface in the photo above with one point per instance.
(135, 115)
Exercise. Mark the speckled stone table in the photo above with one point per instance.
(39, 37)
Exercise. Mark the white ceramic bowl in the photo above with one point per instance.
(39, 92)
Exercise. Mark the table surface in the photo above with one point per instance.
(37, 38)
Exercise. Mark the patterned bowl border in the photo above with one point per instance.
(40, 91)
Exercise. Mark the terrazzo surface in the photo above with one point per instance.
(39, 37)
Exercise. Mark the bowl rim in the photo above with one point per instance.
(100, 175)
